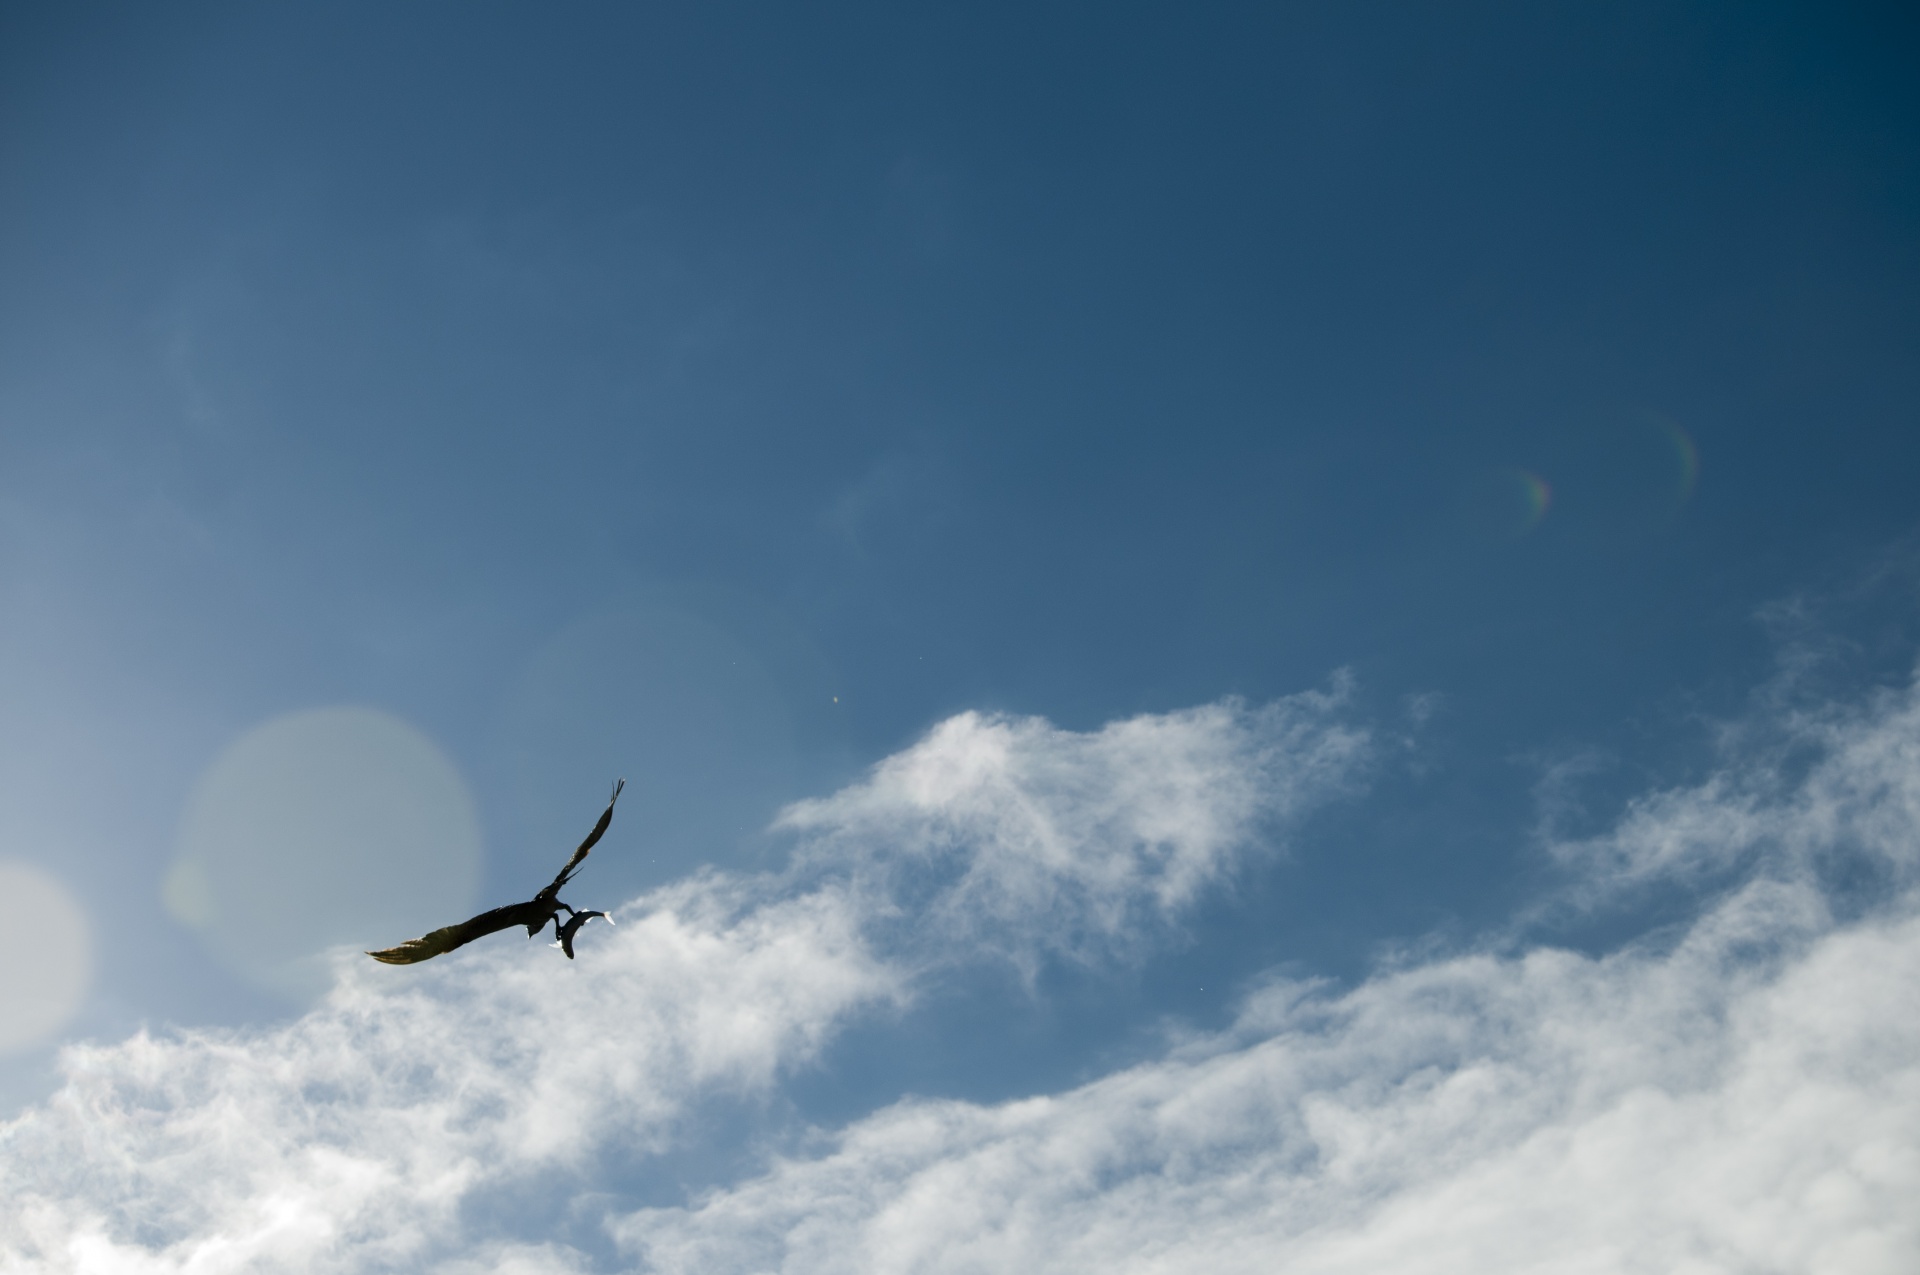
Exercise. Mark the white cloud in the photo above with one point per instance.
(1800, 787)
(371, 1132)
(353, 1137)
(1742, 1096)
(1745, 1099)
(1012, 836)
(1648, 1112)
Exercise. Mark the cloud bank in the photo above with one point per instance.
(1743, 1097)
(1741, 1094)
(1684, 1111)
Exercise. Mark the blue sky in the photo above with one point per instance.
(1121, 550)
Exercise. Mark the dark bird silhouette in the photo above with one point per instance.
(572, 927)
(534, 914)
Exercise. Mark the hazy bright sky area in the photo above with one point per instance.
(1243, 637)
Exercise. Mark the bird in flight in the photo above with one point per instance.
(534, 914)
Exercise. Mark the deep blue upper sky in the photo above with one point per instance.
(721, 395)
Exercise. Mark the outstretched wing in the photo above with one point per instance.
(593, 839)
(452, 936)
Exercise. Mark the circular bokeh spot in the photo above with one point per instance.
(46, 957)
(328, 826)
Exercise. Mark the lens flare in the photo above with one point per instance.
(1504, 504)
(1688, 457)
(1536, 497)
(1644, 473)
(328, 826)
(46, 957)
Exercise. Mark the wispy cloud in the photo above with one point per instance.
(370, 1132)
(1801, 788)
(1013, 836)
